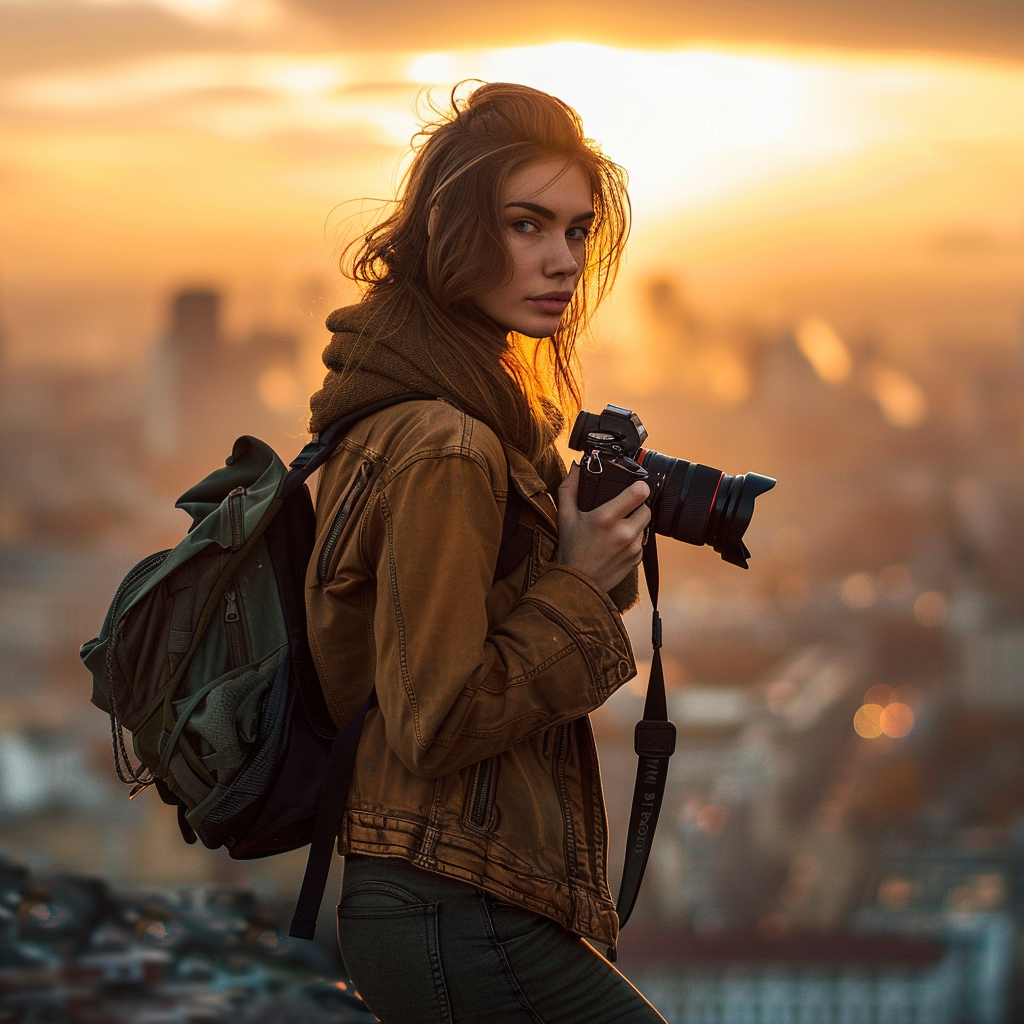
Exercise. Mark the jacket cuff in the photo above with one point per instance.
(626, 592)
(589, 616)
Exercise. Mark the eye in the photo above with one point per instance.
(524, 226)
(577, 234)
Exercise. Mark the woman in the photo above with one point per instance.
(475, 837)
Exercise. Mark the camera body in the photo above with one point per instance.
(690, 502)
(610, 442)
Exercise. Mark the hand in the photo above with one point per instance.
(607, 542)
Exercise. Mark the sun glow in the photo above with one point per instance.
(688, 124)
(695, 125)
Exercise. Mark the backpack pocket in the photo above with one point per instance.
(215, 728)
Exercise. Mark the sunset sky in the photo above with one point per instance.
(783, 162)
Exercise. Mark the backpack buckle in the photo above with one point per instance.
(306, 456)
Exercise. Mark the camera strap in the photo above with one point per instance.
(654, 741)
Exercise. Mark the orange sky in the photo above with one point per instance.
(877, 187)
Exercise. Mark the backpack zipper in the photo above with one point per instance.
(236, 516)
(334, 534)
(233, 627)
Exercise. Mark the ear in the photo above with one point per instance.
(431, 220)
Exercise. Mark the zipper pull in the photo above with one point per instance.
(231, 612)
(140, 787)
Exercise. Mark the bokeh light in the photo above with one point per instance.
(712, 819)
(900, 398)
(858, 591)
(896, 720)
(931, 609)
(885, 713)
(867, 721)
(824, 349)
(896, 892)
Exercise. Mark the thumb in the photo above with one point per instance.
(569, 487)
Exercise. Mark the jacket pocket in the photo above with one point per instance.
(352, 495)
(479, 814)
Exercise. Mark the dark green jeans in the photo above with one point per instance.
(424, 949)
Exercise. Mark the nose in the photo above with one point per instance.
(560, 261)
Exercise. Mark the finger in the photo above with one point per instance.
(627, 501)
(631, 530)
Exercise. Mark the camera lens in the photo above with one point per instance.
(699, 504)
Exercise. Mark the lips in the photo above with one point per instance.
(551, 302)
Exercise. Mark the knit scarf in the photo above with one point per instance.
(370, 359)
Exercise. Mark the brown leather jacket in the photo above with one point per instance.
(480, 761)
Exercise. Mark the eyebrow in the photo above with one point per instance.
(543, 211)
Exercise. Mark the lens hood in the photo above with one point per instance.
(739, 509)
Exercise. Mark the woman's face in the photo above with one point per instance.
(546, 210)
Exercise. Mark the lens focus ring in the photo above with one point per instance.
(683, 510)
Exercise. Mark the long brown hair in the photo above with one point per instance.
(462, 161)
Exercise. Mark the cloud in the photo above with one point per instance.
(993, 27)
(52, 34)
(232, 95)
(40, 35)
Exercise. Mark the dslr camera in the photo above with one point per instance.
(689, 502)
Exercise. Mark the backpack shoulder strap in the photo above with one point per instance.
(516, 537)
(330, 809)
(317, 452)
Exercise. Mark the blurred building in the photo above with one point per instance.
(205, 389)
(965, 894)
(825, 978)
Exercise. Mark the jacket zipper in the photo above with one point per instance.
(480, 809)
(235, 631)
(355, 490)
(236, 516)
(599, 850)
(569, 827)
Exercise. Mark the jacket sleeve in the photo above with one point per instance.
(454, 689)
